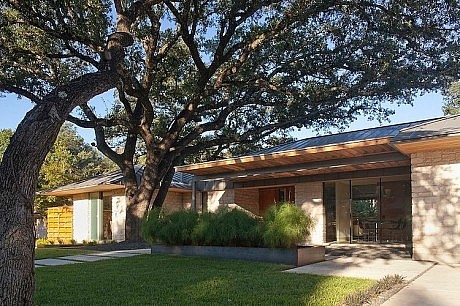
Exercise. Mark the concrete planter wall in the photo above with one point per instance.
(302, 255)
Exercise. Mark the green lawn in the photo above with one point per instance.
(54, 252)
(176, 280)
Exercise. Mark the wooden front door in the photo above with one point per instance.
(271, 196)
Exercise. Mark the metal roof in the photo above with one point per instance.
(371, 133)
(434, 128)
(180, 180)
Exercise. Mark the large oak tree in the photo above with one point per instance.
(193, 76)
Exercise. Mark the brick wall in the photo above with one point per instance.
(309, 196)
(220, 198)
(248, 199)
(436, 205)
(173, 201)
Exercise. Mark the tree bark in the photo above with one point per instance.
(138, 196)
(19, 170)
(135, 211)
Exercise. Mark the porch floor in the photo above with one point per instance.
(369, 251)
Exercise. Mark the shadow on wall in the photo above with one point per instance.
(436, 209)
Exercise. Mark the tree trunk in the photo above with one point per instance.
(16, 250)
(19, 170)
(136, 206)
(138, 197)
(18, 179)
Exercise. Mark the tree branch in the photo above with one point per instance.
(188, 40)
(101, 143)
(21, 92)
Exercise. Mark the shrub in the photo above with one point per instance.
(41, 242)
(285, 225)
(203, 234)
(227, 228)
(92, 243)
(177, 227)
(152, 224)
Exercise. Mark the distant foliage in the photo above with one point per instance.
(69, 160)
(452, 103)
(285, 226)
(5, 135)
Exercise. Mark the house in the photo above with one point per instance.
(391, 184)
(99, 207)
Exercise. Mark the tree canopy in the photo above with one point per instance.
(202, 76)
(194, 76)
(69, 160)
(452, 104)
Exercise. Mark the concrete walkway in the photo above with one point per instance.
(74, 259)
(429, 284)
(366, 268)
(440, 285)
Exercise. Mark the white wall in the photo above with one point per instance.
(309, 196)
(81, 217)
(118, 217)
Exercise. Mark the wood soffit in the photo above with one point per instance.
(294, 157)
(357, 163)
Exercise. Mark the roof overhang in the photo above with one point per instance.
(350, 156)
(428, 144)
(61, 192)
(96, 188)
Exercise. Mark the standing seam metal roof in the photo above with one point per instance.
(360, 135)
(180, 180)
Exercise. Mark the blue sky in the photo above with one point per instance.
(12, 111)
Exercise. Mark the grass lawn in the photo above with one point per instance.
(176, 280)
(53, 252)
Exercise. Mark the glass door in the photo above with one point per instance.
(371, 210)
(365, 210)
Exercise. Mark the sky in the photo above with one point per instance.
(429, 105)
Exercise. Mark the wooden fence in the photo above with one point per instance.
(60, 223)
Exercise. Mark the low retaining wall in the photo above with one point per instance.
(302, 255)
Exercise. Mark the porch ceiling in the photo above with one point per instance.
(362, 155)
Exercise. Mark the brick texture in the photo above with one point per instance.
(220, 199)
(248, 199)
